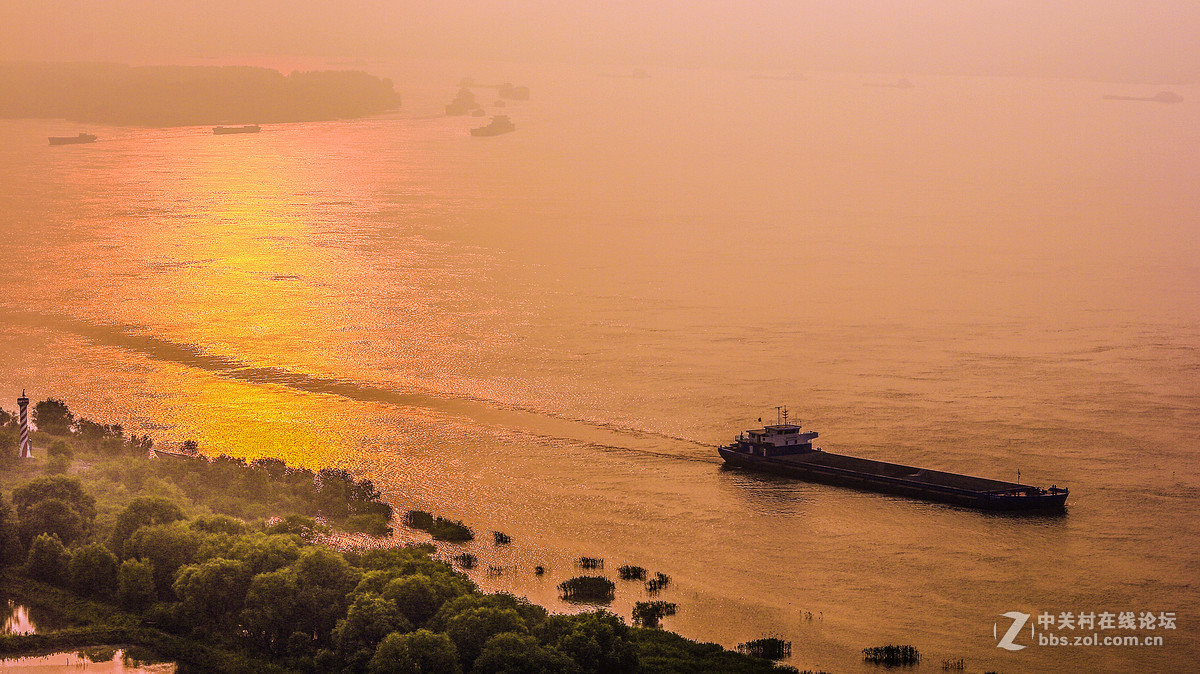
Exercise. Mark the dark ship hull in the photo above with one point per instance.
(893, 478)
(224, 130)
(72, 140)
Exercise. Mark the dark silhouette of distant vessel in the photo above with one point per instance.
(72, 140)
(1160, 97)
(464, 102)
(249, 128)
(785, 450)
(898, 84)
(499, 124)
(516, 93)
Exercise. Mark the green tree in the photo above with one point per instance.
(53, 416)
(93, 571)
(168, 547)
(60, 448)
(510, 653)
(9, 439)
(10, 551)
(415, 596)
(135, 583)
(598, 641)
(47, 560)
(212, 593)
(271, 603)
(57, 465)
(419, 652)
(369, 619)
(264, 553)
(54, 518)
(219, 524)
(143, 511)
(51, 516)
(471, 629)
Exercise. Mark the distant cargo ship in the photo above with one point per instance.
(249, 128)
(1160, 97)
(499, 124)
(783, 449)
(72, 140)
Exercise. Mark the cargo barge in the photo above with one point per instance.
(784, 449)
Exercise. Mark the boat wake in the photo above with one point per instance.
(542, 425)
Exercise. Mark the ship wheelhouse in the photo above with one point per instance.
(775, 440)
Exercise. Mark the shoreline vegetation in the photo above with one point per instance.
(165, 96)
(224, 565)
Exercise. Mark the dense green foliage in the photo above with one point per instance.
(164, 559)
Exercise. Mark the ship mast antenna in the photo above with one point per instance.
(778, 414)
(785, 416)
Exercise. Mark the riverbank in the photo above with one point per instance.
(162, 96)
(222, 565)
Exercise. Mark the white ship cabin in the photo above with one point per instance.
(776, 440)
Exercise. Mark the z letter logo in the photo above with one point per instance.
(1019, 619)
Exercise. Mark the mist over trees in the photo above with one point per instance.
(161, 96)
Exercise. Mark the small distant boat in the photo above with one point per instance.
(499, 124)
(1160, 97)
(72, 140)
(785, 449)
(249, 128)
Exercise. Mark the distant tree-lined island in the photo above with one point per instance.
(110, 93)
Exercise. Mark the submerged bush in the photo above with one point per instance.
(418, 519)
(892, 655)
(651, 613)
(588, 589)
(660, 581)
(451, 530)
(631, 573)
(770, 648)
(466, 560)
(501, 538)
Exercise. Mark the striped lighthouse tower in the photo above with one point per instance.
(26, 444)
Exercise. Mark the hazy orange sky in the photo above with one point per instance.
(1147, 40)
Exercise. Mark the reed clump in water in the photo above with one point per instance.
(466, 560)
(588, 590)
(628, 572)
(501, 538)
(892, 655)
(590, 563)
(954, 665)
(659, 582)
(768, 648)
(651, 613)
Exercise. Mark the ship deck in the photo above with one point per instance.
(897, 471)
